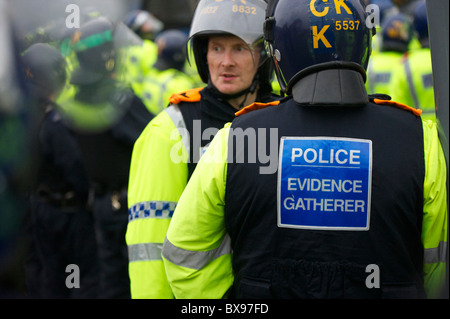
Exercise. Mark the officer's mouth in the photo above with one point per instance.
(228, 77)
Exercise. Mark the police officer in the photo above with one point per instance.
(385, 8)
(396, 35)
(106, 118)
(357, 207)
(141, 56)
(412, 83)
(62, 230)
(166, 76)
(228, 51)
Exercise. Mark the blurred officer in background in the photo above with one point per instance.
(166, 76)
(230, 57)
(385, 8)
(302, 231)
(62, 230)
(106, 118)
(412, 83)
(407, 8)
(140, 57)
(396, 35)
(144, 24)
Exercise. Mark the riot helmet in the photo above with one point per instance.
(243, 19)
(171, 50)
(95, 50)
(307, 35)
(397, 33)
(44, 70)
(145, 24)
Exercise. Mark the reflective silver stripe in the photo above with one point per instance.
(144, 252)
(195, 259)
(436, 255)
(412, 88)
(151, 209)
(177, 118)
(428, 111)
(163, 89)
(371, 76)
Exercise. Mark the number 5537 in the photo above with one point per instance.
(347, 25)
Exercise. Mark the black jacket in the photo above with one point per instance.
(271, 259)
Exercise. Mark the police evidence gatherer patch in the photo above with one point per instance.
(324, 183)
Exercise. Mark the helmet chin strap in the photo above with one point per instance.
(245, 92)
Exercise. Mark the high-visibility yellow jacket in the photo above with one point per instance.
(380, 71)
(412, 83)
(155, 184)
(164, 156)
(157, 87)
(137, 61)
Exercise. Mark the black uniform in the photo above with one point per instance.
(107, 155)
(62, 230)
(283, 262)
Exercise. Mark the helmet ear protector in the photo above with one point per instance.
(271, 53)
(307, 34)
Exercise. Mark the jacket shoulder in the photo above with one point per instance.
(385, 100)
(256, 106)
(192, 95)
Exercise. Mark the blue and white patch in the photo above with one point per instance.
(324, 183)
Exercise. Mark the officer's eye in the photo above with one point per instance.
(242, 48)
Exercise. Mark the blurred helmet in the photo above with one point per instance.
(44, 70)
(304, 33)
(95, 50)
(143, 23)
(242, 18)
(397, 33)
(420, 23)
(171, 50)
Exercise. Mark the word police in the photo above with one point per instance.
(340, 156)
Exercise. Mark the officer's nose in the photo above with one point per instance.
(228, 59)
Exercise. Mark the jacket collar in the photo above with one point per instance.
(340, 84)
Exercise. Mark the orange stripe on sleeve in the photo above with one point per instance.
(417, 112)
(255, 106)
(192, 95)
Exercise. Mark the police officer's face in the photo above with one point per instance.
(232, 65)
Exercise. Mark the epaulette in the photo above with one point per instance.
(255, 106)
(383, 101)
(192, 95)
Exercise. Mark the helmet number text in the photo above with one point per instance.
(347, 25)
(244, 9)
(209, 10)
